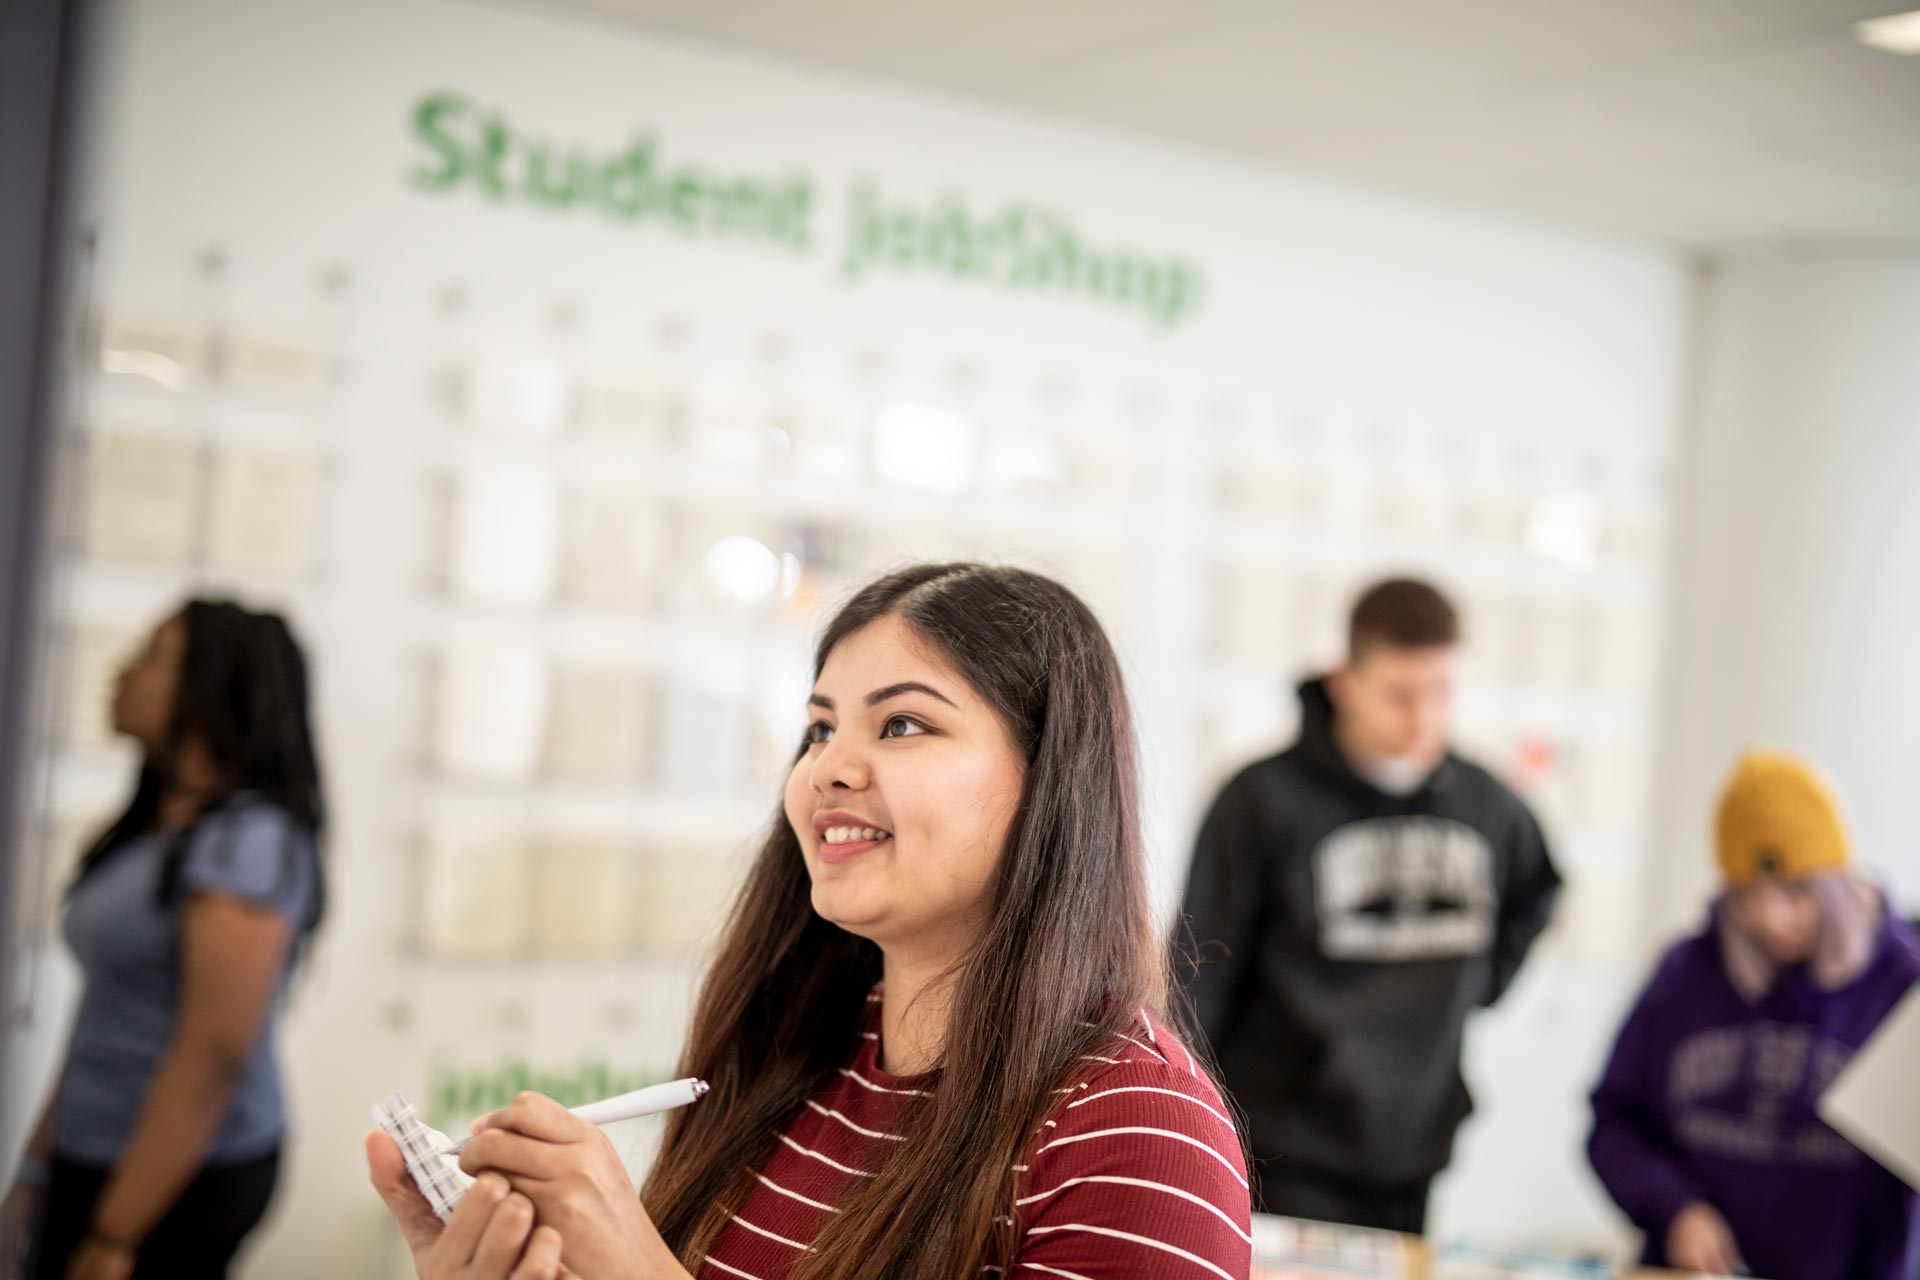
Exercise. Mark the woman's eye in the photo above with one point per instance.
(819, 733)
(902, 727)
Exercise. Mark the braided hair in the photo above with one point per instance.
(243, 690)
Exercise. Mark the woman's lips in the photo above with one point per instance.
(849, 849)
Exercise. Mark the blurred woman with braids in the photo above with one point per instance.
(159, 1148)
(936, 1029)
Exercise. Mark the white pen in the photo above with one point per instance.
(651, 1100)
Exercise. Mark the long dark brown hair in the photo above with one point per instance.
(1068, 957)
(243, 691)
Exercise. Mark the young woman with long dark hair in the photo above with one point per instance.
(159, 1149)
(936, 1029)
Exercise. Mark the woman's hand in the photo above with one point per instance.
(1699, 1239)
(490, 1236)
(98, 1261)
(577, 1184)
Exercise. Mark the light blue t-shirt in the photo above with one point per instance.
(128, 947)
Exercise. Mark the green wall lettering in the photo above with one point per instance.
(457, 1094)
(1020, 248)
(429, 121)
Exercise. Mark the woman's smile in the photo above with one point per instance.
(845, 835)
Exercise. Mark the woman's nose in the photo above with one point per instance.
(839, 766)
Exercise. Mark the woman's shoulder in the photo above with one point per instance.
(254, 848)
(1142, 1080)
(1903, 944)
(1145, 1054)
(255, 808)
(1139, 1164)
(250, 824)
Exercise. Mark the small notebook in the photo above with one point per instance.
(1874, 1102)
(434, 1169)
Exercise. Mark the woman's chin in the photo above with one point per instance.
(849, 909)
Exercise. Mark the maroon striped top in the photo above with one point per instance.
(1137, 1172)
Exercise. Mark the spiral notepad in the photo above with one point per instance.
(434, 1169)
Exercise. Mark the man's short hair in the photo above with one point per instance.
(1401, 613)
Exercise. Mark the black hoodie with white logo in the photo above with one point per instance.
(1344, 935)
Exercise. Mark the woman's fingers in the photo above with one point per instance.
(536, 1116)
(387, 1169)
(541, 1261)
(470, 1217)
(503, 1238)
(1725, 1259)
(513, 1154)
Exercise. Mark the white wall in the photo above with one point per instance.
(1795, 615)
(276, 131)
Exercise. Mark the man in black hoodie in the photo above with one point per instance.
(1351, 900)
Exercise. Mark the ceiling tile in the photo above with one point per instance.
(1699, 122)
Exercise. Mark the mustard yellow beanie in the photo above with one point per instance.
(1778, 817)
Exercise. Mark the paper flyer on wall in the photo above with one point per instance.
(264, 513)
(142, 500)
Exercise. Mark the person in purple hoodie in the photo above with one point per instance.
(1704, 1130)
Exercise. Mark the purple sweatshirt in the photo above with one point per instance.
(1710, 1097)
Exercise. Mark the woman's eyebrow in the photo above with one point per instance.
(879, 696)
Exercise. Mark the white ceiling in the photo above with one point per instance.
(1735, 126)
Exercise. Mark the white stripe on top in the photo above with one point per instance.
(1052, 1271)
(804, 1248)
(828, 1160)
(857, 1078)
(1136, 1044)
(1149, 1241)
(870, 1133)
(1148, 1088)
(771, 1185)
(1162, 1133)
(1182, 1192)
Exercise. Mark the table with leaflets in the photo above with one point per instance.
(1296, 1249)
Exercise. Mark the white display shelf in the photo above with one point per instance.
(649, 636)
(1483, 701)
(1037, 520)
(646, 811)
(1459, 558)
(95, 586)
(215, 417)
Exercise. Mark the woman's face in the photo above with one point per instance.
(148, 686)
(904, 796)
(1783, 916)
